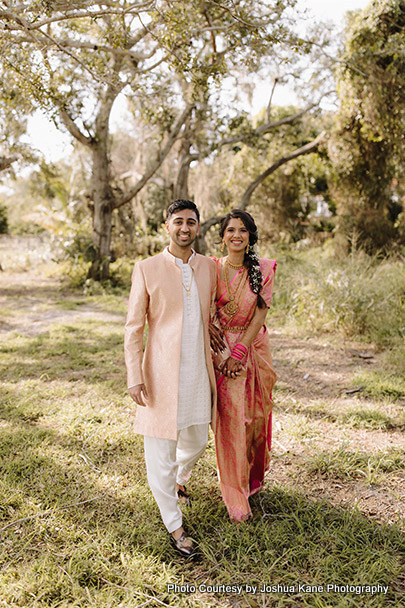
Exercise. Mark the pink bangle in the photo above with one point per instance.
(239, 352)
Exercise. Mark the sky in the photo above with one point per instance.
(55, 145)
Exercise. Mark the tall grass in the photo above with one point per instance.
(359, 296)
(343, 463)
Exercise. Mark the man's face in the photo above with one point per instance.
(183, 227)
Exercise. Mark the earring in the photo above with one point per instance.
(222, 246)
(247, 248)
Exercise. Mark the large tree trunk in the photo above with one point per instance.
(184, 159)
(181, 184)
(103, 201)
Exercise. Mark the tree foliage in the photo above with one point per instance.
(75, 58)
(368, 147)
(15, 107)
(280, 199)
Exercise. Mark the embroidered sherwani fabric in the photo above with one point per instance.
(157, 298)
(194, 401)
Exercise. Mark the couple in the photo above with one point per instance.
(190, 301)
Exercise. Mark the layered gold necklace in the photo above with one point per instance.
(232, 307)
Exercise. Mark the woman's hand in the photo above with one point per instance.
(216, 338)
(231, 368)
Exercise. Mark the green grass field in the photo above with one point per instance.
(79, 527)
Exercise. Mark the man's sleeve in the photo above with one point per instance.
(133, 343)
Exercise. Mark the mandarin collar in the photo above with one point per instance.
(171, 257)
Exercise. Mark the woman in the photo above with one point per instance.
(246, 377)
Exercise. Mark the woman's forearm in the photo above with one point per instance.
(255, 326)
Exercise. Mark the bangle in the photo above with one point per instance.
(239, 352)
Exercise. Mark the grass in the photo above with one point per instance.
(79, 527)
(300, 426)
(380, 385)
(369, 418)
(302, 419)
(359, 296)
(343, 463)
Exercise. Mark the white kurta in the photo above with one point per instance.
(194, 399)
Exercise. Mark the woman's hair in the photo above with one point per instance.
(251, 261)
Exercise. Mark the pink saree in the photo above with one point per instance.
(243, 422)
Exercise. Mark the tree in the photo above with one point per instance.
(14, 109)
(209, 130)
(258, 141)
(75, 58)
(268, 174)
(367, 147)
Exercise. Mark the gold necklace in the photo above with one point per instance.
(188, 291)
(231, 307)
(233, 265)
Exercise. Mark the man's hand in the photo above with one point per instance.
(216, 338)
(139, 394)
(231, 368)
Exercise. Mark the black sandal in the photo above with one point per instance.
(184, 550)
(183, 497)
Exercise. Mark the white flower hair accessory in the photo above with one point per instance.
(255, 274)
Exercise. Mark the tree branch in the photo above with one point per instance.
(348, 64)
(110, 95)
(6, 162)
(95, 46)
(33, 35)
(160, 157)
(205, 226)
(262, 130)
(87, 14)
(72, 126)
(268, 111)
(132, 9)
(307, 149)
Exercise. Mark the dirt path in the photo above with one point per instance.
(315, 376)
(31, 299)
(313, 394)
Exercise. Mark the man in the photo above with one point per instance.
(173, 382)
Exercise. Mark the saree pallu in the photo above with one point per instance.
(243, 423)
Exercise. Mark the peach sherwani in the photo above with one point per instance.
(157, 298)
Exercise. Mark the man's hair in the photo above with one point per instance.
(179, 205)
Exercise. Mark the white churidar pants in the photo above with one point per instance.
(169, 461)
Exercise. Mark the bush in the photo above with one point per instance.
(360, 296)
(3, 219)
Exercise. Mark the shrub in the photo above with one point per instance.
(361, 296)
(3, 219)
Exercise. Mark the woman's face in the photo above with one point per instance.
(236, 235)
